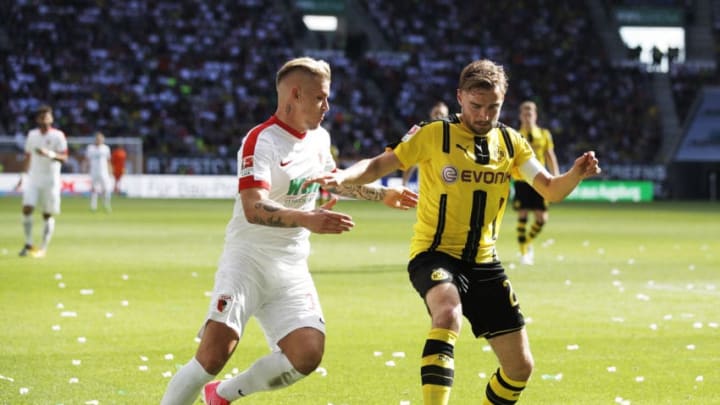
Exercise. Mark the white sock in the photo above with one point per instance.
(27, 226)
(106, 202)
(48, 232)
(267, 373)
(184, 388)
(93, 200)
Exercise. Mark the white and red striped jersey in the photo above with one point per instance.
(278, 158)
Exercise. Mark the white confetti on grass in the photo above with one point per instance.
(73, 380)
(92, 402)
(482, 375)
(698, 325)
(639, 379)
(61, 285)
(486, 348)
(377, 353)
(690, 347)
(642, 297)
(60, 305)
(58, 276)
(713, 325)
(322, 371)
(125, 277)
(390, 363)
(68, 314)
(615, 272)
(699, 378)
(124, 303)
(82, 339)
(167, 374)
(108, 315)
(56, 328)
(2, 377)
(398, 354)
(170, 356)
(143, 367)
(76, 362)
(24, 390)
(87, 291)
(573, 347)
(653, 326)
(611, 369)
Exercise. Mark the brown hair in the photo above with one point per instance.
(484, 74)
(42, 110)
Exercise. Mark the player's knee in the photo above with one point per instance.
(522, 370)
(307, 361)
(448, 317)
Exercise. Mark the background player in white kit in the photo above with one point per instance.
(45, 151)
(98, 159)
(263, 270)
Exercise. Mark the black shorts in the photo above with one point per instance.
(526, 198)
(487, 297)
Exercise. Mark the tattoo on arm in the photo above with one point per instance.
(362, 192)
(271, 220)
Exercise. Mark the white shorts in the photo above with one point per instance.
(100, 183)
(280, 295)
(48, 194)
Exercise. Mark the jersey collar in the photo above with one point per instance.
(297, 134)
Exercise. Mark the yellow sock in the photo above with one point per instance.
(501, 390)
(522, 235)
(438, 366)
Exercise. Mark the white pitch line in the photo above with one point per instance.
(674, 288)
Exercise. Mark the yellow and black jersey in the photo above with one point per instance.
(464, 185)
(540, 140)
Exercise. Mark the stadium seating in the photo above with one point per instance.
(190, 78)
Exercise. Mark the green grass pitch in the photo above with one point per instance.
(623, 306)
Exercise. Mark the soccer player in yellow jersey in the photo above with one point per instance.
(465, 163)
(526, 198)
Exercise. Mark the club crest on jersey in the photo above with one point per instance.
(247, 166)
(412, 131)
(439, 275)
(223, 302)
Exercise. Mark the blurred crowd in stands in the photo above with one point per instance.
(190, 78)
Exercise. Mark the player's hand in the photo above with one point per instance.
(324, 220)
(45, 152)
(401, 198)
(587, 165)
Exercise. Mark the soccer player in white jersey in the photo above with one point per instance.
(263, 270)
(98, 158)
(45, 151)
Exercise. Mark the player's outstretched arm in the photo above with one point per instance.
(394, 197)
(556, 188)
(259, 209)
(354, 182)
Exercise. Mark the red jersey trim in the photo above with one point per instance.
(297, 134)
(247, 154)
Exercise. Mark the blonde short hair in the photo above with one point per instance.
(313, 67)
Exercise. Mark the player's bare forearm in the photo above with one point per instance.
(368, 170)
(360, 192)
(270, 213)
(556, 188)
